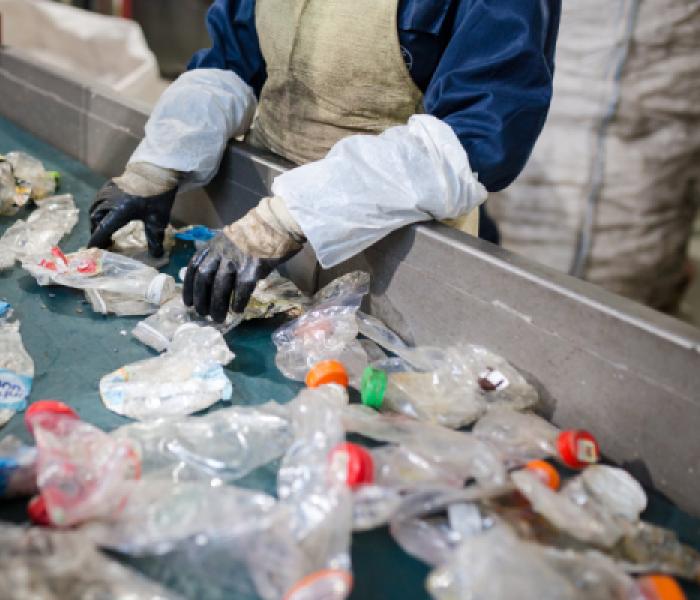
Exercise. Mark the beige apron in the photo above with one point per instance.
(334, 68)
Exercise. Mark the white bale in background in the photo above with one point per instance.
(616, 170)
(109, 50)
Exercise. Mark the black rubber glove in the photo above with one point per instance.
(114, 208)
(222, 274)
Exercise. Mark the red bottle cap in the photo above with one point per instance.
(355, 462)
(660, 587)
(327, 371)
(545, 472)
(37, 512)
(47, 408)
(577, 448)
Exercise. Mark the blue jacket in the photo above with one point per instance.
(485, 67)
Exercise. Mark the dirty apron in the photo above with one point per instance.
(334, 69)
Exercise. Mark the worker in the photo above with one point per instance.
(396, 111)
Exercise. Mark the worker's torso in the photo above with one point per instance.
(334, 68)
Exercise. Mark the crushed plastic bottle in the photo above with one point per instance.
(57, 565)
(272, 295)
(82, 472)
(29, 173)
(16, 366)
(17, 468)
(522, 437)
(327, 331)
(113, 283)
(130, 241)
(42, 230)
(496, 565)
(186, 378)
(453, 455)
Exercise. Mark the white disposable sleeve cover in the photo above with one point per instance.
(368, 186)
(193, 121)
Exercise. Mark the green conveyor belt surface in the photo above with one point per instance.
(72, 348)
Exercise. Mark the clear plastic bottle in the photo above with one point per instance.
(17, 468)
(29, 171)
(455, 454)
(186, 378)
(7, 190)
(16, 366)
(113, 283)
(521, 437)
(41, 564)
(130, 241)
(42, 230)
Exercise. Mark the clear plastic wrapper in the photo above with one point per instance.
(29, 173)
(328, 331)
(272, 295)
(130, 241)
(39, 564)
(82, 472)
(456, 455)
(43, 229)
(7, 190)
(521, 437)
(16, 366)
(186, 378)
(113, 283)
(17, 468)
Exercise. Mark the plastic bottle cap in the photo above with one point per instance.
(55, 175)
(545, 472)
(373, 387)
(355, 462)
(660, 587)
(47, 407)
(577, 448)
(327, 371)
(37, 511)
(329, 583)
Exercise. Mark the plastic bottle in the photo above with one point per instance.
(130, 241)
(56, 565)
(328, 331)
(16, 366)
(186, 378)
(29, 172)
(522, 437)
(461, 455)
(113, 283)
(17, 468)
(495, 564)
(7, 190)
(42, 230)
(82, 472)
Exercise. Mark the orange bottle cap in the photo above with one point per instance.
(325, 372)
(660, 587)
(577, 448)
(48, 410)
(545, 472)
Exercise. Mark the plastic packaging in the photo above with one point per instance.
(43, 229)
(496, 565)
(82, 472)
(328, 331)
(130, 241)
(17, 468)
(186, 378)
(30, 174)
(272, 295)
(57, 565)
(16, 366)
(113, 283)
(522, 437)
(7, 190)
(453, 456)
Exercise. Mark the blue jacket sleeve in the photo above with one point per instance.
(493, 84)
(235, 46)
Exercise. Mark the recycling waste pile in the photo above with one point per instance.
(175, 459)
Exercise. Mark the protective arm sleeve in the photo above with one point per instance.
(368, 186)
(192, 122)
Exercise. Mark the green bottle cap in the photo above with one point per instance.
(373, 387)
(56, 176)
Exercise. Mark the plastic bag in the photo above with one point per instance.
(113, 283)
(43, 229)
(187, 378)
(16, 366)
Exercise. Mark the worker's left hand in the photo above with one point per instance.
(225, 272)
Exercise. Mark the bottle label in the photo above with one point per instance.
(14, 390)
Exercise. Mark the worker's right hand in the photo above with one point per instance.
(113, 208)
